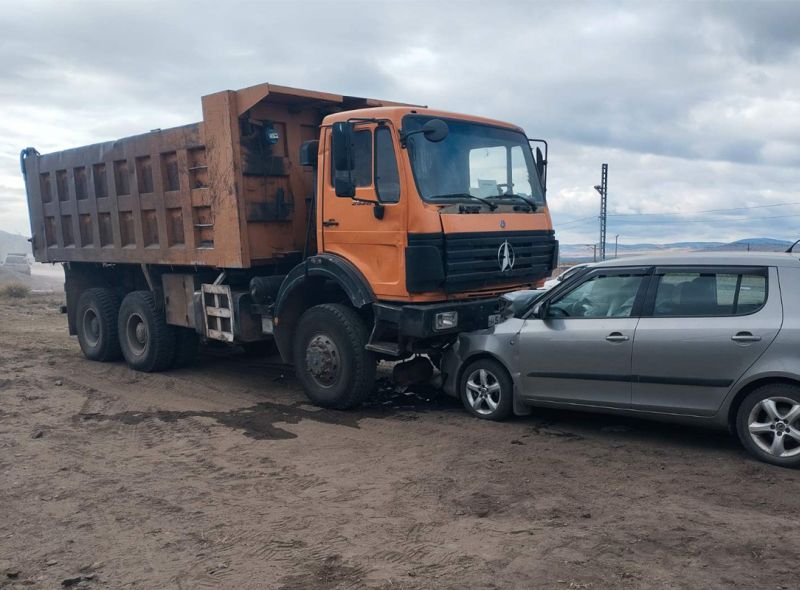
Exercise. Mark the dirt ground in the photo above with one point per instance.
(222, 476)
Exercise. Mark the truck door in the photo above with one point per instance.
(372, 238)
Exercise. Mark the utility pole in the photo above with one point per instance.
(602, 188)
(616, 244)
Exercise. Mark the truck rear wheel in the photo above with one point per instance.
(96, 319)
(330, 356)
(147, 341)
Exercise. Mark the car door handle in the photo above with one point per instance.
(745, 337)
(616, 337)
(330, 223)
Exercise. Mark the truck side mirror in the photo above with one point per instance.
(435, 130)
(540, 163)
(342, 146)
(308, 153)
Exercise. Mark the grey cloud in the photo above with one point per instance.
(695, 85)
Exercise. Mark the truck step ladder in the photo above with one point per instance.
(217, 312)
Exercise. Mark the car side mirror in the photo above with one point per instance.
(539, 310)
(342, 146)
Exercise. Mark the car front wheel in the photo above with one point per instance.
(768, 424)
(487, 390)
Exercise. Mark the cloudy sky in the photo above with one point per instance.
(695, 106)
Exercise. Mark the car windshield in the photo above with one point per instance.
(473, 160)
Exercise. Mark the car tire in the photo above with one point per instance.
(96, 323)
(147, 341)
(486, 390)
(330, 356)
(768, 424)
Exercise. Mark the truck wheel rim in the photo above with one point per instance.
(91, 327)
(136, 331)
(323, 361)
(774, 426)
(483, 391)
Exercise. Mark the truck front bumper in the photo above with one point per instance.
(419, 321)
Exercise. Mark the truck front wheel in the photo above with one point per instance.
(330, 356)
(147, 341)
(96, 319)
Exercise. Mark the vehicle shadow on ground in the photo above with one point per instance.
(410, 403)
(625, 429)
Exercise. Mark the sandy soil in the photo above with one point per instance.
(222, 476)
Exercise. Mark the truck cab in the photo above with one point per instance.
(427, 216)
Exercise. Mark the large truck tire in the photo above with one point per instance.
(147, 341)
(96, 319)
(186, 343)
(330, 356)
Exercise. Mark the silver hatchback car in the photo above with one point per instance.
(705, 339)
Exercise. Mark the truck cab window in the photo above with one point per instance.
(387, 180)
(362, 159)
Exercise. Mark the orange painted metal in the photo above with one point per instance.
(377, 248)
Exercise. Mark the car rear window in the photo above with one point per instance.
(708, 293)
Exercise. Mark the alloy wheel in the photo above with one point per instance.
(774, 426)
(483, 391)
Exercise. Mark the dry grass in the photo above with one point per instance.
(15, 290)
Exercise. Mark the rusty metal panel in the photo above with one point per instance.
(178, 297)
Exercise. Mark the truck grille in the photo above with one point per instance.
(486, 259)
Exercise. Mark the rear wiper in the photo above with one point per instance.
(520, 197)
(486, 202)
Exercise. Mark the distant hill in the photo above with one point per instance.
(583, 253)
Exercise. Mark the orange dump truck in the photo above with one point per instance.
(345, 230)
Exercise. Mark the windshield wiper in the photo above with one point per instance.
(486, 202)
(520, 197)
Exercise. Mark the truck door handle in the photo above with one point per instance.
(330, 223)
(745, 337)
(616, 337)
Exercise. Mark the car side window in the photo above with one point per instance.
(600, 296)
(709, 294)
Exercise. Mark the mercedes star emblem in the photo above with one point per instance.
(505, 256)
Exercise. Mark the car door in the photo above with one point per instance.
(700, 331)
(580, 350)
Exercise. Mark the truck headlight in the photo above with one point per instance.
(445, 320)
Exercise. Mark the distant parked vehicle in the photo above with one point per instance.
(571, 271)
(17, 262)
(706, 339)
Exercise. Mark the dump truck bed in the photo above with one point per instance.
(226, 192)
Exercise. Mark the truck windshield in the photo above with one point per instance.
(474, 159)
